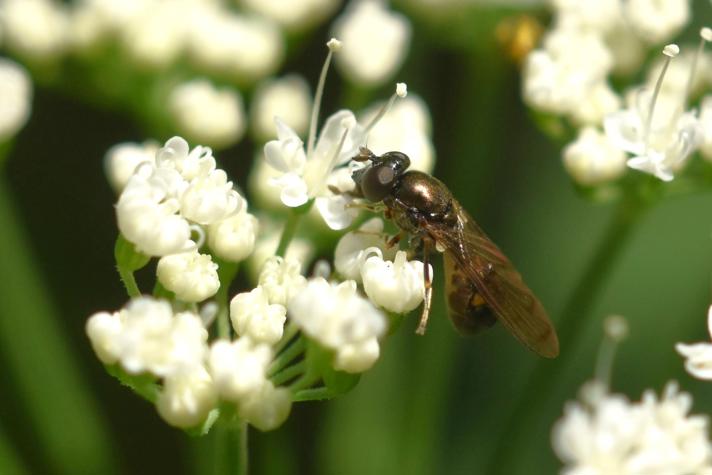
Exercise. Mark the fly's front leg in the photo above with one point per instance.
(428, 245)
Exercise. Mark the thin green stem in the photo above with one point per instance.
(287, 356)
(230, 448)
(306, 381)
(290, 329)
(226, 272)
(289, 373)
(244, 448)
(314, 394)
(571, 326)
(290, 229)
(39, 358)
(129, 281)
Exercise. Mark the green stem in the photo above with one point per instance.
(289, 373)
(306, 381)
(287, 356)
(42, 363)
(290, 228)
(230, 448)
(571, 326)
(314, 394)
(290, 329)
(10, 461)
(129, 281)
(226, 272)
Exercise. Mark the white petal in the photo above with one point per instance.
(334, 211)
(625, 130)
(294, 190)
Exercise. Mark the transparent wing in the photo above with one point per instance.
(499, 283)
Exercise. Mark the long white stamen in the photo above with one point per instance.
(670, 51)
(194, 228)
(401, 91)
(334, 45)
(705, 36)
(615, 330)
(339, 146)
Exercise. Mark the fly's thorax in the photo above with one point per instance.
(425, 195)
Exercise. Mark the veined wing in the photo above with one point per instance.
(499, 283)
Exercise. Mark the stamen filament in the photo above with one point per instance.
(705, 36)
(615, 330)
(334, 46)
(670, 51)
(401, 91)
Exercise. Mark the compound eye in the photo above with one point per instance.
(377, 182)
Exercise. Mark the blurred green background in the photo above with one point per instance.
(435, 404)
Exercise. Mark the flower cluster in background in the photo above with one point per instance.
(650, 127)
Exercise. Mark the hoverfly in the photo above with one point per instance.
(482, 285)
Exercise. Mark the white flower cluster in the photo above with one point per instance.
(168, 195)
(699, 355)
(569, 76)
(148, 338)
(607, 434)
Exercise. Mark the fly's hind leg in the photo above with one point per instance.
(428, 245)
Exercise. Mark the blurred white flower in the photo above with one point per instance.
(35, 29)
(657, 21)
(355, 247)
(660, 143)
(337, 317)
(558, 77)
(121, 161)
(610, 435)
(244, 47)
(376, 42)
(299, 249)
(592, 159)
(698, 355)
(597, 15)
(254, 316)
(186, 398)
(396, 285)
(192, 276)
(207, 114)
(15, 98)
(155, 35)
(233, 238)
(405, 128)
(281, 279)
(267, 408)
(706, 127)
(145, 336)
(599, 102)
(239, 367)
(294, 16)
(287, 97)
(177, 155)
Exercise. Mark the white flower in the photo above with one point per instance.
(299, 249)
(233, 238)
(121, 161)
(15, 98)
(207, 114)
(294, 16)
(246, 47)
(146, 336)
(600, 101)
(267, 408)
(187, 398)
(357, 357)
(281, 279)
(698, 355)
(239, 368)
(706, 127)
(339, 319)
(659, 142)
(561, 75)
(597, 15)
(405, 128)
(192, 276)
(252, 315)
(305, 176)
(176, 154)
(147, 213)
(37, 29)
(288, 98)
(394, 285)
(375, 39)
(355, 247)
(657, 21)
(211, 198)
(610, 435)
(591, 159)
